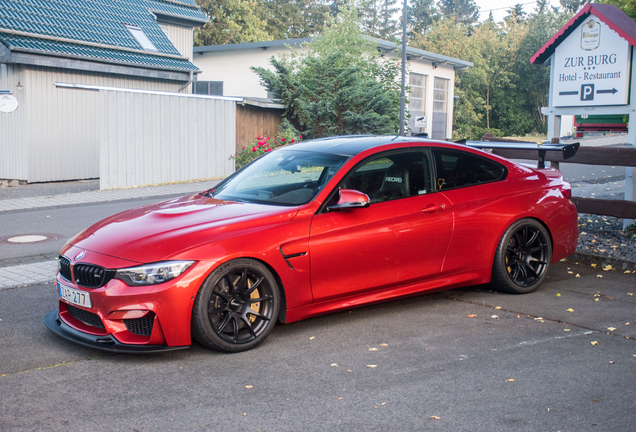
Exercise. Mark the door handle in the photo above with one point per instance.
(432, 208)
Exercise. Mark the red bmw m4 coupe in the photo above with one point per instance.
(307, 229)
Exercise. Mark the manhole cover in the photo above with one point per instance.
(29, 238)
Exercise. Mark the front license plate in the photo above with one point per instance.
(74, 296)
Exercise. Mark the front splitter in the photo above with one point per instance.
(104, 343)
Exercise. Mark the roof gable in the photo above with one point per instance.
(611, 15)
(95, 28)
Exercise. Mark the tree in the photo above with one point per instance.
(288, 19)
(388, 24)
(337, 84)
(462, 11)
(573, 6)
(232, 21)
(421, 15)
(516, 13)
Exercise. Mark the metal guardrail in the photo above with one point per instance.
(607, 156)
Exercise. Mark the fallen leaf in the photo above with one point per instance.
(494, 317)
(371, 366)
(537, 319)
(244, 413)
(577, 275)
(608, 267)
(570, 272)
(510, 380)
(340, 398)
(570, 310)
(472, 316)
(311, 338)
(349, 370)
(627, 294)
(558, 295)
(334, 364)
(498, 307)
(596, 299)
(248, 386)
(566, 329)
(594, 265)
(599, 276)
(373, 349)
(384, 344)
(611, 362)
(611, 328)
(435, 418)
(627, 323)
(594, 343)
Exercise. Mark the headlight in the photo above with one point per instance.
(152, 274)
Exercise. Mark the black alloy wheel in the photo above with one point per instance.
(523, 257)
(236, 307)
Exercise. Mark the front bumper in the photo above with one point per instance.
(104, 343)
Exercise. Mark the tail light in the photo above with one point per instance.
(566, 189)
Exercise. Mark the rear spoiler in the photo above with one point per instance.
(567, 150)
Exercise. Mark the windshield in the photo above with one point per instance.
(283, 177)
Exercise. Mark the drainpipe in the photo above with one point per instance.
(188, 83)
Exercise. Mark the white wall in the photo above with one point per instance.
(149, 138)
(233, 68)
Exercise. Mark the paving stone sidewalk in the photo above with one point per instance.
(98, 196)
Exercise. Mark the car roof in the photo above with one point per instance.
(351, 145)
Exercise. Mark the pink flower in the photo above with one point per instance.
(254, 149)
(292, 140)
(268, 150)
(282, 140)
(243, 147)
(301, 137)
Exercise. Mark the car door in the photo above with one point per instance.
(401, 237)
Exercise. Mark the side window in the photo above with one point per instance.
(393, 176)
(457, 169)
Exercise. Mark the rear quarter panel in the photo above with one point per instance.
(483, 213)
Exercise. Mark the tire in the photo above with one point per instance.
(236, 307)
(522, 259)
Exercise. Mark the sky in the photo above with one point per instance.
(500, 7)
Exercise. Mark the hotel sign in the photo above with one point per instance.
(591, 67)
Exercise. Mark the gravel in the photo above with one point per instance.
(603, 237)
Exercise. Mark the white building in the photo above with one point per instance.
(225, 71)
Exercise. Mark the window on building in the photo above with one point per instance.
(417, 102)
(214, 88)
(440, 108)
(141, 38)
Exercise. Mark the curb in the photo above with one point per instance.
(616, 263)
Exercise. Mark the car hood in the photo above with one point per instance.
(159, 231)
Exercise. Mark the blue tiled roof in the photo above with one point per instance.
(96, 21)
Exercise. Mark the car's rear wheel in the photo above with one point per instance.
(236, 307)
(523, 258)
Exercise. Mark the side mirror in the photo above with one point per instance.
(350, 199)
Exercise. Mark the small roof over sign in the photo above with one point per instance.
(611, 15)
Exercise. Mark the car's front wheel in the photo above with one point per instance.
(523, 257)
(236, 307)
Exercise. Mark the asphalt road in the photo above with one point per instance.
(394, 366)
(64, 222)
